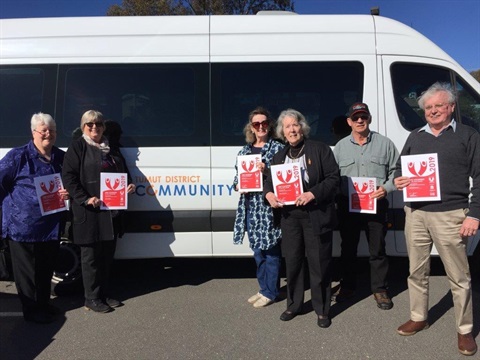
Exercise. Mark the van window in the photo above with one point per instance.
(468, 104)
(160, 105)
(410, 80)
(21, 91)
(320, 91)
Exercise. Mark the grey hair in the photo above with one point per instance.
(295, 115)
(89, 116)
(435, 88)
(42, 119)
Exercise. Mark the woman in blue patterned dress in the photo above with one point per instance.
(255, 216)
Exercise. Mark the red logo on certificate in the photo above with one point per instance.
(287, 182)
(113, 191)
(47, 188)
(249, 177)
(359, 191)
(423, 173)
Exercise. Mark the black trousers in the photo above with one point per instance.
(33, 264)
(97, 261)
(374, 225)
(298, 241)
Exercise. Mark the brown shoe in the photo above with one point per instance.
(466, 344)
(412, 327)
(383, 300)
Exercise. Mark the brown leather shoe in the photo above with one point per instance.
(383, 300)
(412, 327)
(466, 344)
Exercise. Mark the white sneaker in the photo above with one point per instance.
(262, 302)
(254, 298)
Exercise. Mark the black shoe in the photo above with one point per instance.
(287, 315)
(344, 294)
(383, 300)
(39, 317)
(113, 303)
(324, 321)
(97, 305)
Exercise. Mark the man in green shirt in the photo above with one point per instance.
(365, 153)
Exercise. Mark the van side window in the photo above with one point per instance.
(409, 81)
(322, 91)
(468, 104)
(156, 105)
(21, 91)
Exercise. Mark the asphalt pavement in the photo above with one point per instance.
(197, 309)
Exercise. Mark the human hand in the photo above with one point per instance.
(273, 201)
(469, 227)
(94, 201)
(131, 188)
(63, 194)
(401, 182)
(378, 194)
(304, 199)
(260, 166)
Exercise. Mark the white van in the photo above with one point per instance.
(182, 87)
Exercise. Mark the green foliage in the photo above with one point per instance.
(476, 74)
(197, 7)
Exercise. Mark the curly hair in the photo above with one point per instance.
(432, 90)
(295, 115)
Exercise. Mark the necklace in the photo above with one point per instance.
(297, 155)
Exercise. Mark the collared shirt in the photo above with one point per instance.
(428, 129)
(376, 158)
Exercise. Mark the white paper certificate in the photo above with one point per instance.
(249, 177)
(113, 191)
(423, 173)
(287, 182)
(359, 191)
(47, 188)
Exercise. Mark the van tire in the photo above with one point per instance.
(67, 274)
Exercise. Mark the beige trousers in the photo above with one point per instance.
(422, 229)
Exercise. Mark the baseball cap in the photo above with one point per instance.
(358, 108)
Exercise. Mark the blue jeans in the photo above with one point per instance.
(268, 270)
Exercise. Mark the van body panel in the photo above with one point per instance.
(105, 40)
(182, 87)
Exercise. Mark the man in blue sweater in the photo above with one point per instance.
(446, 223)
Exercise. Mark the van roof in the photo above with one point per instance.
(207, 38)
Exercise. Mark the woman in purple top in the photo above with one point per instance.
(33, 238)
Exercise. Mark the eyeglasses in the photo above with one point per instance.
(436, 106)
(98, 124)
(363, 117)
(44, 132)
(257, 125)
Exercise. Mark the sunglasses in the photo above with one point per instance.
(263, 124)
(97, 124)
(363, 117)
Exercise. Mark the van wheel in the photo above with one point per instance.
(67, 274)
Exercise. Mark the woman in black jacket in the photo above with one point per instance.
(308, 224)
(94, 230)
